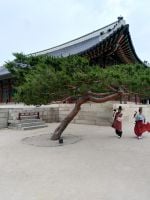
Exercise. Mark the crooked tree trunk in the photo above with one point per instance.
(88, 97)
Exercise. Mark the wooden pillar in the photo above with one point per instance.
(125, 99)
(9, 90)
(135, 99)
(129, 97)
(120, 99)
(104, 61)
(1, 91)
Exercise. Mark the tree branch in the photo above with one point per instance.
(83, 99)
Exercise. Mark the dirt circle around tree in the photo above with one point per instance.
(45, 141)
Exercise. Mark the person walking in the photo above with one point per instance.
(140, 125)
(117, 122)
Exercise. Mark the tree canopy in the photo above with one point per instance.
(43, 79)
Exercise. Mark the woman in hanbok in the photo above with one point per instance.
(117, 123)
(140, 125)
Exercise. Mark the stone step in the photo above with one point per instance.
(24, 121)
(20, 125)
(28, 127)
(26, 124)
(34, 127)
(12, 127)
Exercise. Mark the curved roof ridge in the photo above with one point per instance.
(112, 27)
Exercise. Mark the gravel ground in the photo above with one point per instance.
(92, 164)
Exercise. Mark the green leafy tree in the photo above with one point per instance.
(44, 79)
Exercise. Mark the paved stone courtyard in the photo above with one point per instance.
(97, 166)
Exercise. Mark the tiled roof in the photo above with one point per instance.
(3, 71)
(83, 43)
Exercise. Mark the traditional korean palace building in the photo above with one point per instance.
(107, 46)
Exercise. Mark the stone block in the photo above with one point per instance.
(3, 115)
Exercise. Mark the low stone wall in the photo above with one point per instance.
(90, 113)
(101, 114)
(47, 114)
(10, 114)
(3, 117)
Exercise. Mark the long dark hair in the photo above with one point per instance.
(120, 108)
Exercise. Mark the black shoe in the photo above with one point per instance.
(61, 140)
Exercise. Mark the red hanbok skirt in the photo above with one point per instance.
(141, 127)
(117, 125)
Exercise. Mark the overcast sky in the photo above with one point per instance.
(28, 26)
